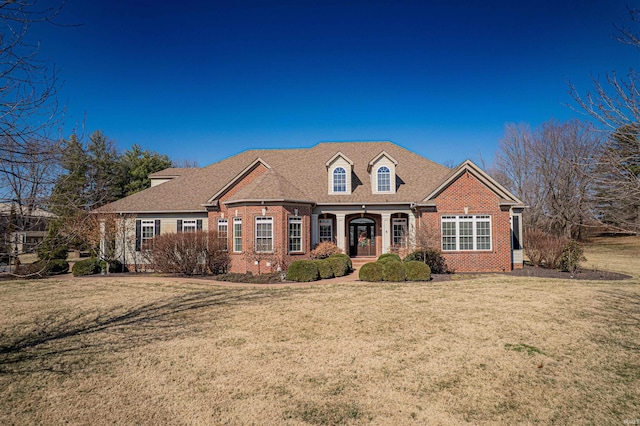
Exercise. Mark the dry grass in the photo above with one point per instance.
(489, 350)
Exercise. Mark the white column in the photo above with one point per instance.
(412, 230)
(340, 231)
(314, 230)
(103, 239)
(386, 232)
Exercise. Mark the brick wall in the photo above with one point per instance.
(468, 192)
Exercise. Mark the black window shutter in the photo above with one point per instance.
(199, 224)
(179, 226)
(157, 227)
(138, 234)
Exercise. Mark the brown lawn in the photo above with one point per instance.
(491, 349)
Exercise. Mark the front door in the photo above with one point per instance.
(362, 237)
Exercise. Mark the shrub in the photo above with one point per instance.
(54, 245)
(57, 266)
(303, 271)
(116, 266)
(324, 268)
(571, 256)
(43, 268)
(543, 249)
(88, 266)
(346, 259)
(417, 271)
(339, 266)
(389, 256)
(324, 250)
(393, 270)
(432, 257)
(371, 272)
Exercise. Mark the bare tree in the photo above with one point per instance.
(551, 169)
(615, 104)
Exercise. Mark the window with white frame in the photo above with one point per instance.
(466, 233)
(189, 226)
(400, 234)
(295, 234)
(237, 234)
(264, 234)
(148, 231)
(326, 229)
(223, 229)
(339, 180)
(384, 179)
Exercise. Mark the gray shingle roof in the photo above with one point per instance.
(295, 174)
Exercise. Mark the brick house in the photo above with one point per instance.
(367, 197)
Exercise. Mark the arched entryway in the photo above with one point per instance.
(362, 237)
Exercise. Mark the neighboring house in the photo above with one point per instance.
(367, 197)
(28, 230)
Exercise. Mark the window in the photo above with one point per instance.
(295, 234)
(326, 230)
(223, 229)
(264, 234)
(145, 231)
(339, 180)
(400, 233)
(237, 234)
(384, 179)
(515, 232)
(188, 226)
(466, 232)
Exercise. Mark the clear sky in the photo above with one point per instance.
(203, 80)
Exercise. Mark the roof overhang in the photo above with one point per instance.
(377, 157)
(338, 155)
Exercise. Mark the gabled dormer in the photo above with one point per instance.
(339, 169)
(382, 171)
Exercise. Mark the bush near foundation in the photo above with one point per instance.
(324, 268)
(303, 271)
(324, 250)
(393, 270)
(346, 259)
(388, 257)
(371, 272)
(339, 266)
(432, 257)
(89, 266)
(417, 271)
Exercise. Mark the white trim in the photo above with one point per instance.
(263, 220)
(237, 221)
(295, 220)
(473, 237)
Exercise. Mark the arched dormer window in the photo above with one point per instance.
(384, 179)
(339, 180)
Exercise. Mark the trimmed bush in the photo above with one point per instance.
(371, 272)
(57, 266)
(89, 266)
(346, 259)
(571, 256)
(324, 268)
(432, 257)
(389, 256)
(339, 266)
(303, 271)
(393, 270)
(417, 271)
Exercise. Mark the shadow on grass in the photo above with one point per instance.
(65, 341)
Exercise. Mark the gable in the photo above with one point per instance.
(240, 182)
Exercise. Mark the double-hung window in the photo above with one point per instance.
(400, 233)
(264, 234)
(295, 234)
(326, 229)
(237, 234)
(148, 231)
(466, 233)
(339, 180)
(145, 231)
(223, 228)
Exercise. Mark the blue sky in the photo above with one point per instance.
(202, 80)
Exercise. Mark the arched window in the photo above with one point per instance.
(339, 180)
(384, 179)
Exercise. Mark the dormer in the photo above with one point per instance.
(339, 169)
(382, 170)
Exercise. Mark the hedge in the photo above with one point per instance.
(339, 265)
(386, 257)
(346, 259)
(371, 271)
(393, 270)
(86, 267)
(303, 271)
(324, 268)
(417, 271)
